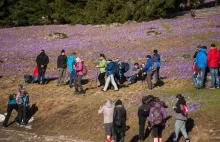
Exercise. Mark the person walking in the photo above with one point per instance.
(157, 119)
(213, 64)
(61, 65)
(22, 99)
(119, 121)
(181, 118)
(110, 76)
(12, 105)
(201, 63)
(156, 58)
(108, 110)
(71, 64)
(148, 69)
(79, 75)
(42, 62)
(143, 113)
(102, 65)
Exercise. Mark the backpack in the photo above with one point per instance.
(85, 71)
(184, 110)
(118, 120)
(28, 78)
(115, 69)
(157, 116)
(12, 96)
(125, 67)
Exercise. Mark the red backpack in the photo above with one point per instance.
(84, 70)
(184, 110)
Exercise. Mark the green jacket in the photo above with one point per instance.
(102, 66)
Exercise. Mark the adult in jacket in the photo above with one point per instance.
(156, 58)
(42, 62)
(79, 75)
(61, 65)
(201, 63)
(108, 110)
(213, 64)
(143, 113)
(181, 118)
(119, 121)
(148, 69)
(71, 64)
(102, 65)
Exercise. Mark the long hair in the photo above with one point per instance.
(102, 55)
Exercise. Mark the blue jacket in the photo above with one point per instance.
(70, 62)
(148, 65)
(201, 60)
(12, 102)
(109, 68)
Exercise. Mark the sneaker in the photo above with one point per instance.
(82, 92)
(76, 91)
(187, 140)
(217, 87)
(212, 88)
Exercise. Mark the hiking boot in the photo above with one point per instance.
(81, 92)
(187, 140)
(76, 91)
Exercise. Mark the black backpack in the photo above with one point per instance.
(12, 96)
(28, 78)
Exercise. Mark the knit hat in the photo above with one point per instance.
(118, 102)
(62, 51)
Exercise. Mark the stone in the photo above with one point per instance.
(153, 32)
(58, 35)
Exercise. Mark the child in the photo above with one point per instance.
(35, 75)
(134, 77)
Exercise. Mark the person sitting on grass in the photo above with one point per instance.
(134, 77)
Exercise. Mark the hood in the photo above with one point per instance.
(147, 99)
(157, 105)
(214, 50)
(71, 58)
(202, 50)
(182, 101)
(42, 54)
(118, 102)
(109, 104)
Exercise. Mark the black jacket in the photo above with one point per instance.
(119, 115)
(42, 59)
(62, 61)
(181, 101)
(156, 57)
(147, 103)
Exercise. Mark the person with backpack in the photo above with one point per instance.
(134, 77)
(119, 121)
(108, 110)
(201, 64)
(61, 65)
(42, 62)
(71, 64)
(143, 113)
(197, 51)
(181, 118)
(156, 58)
(102, 67)
(213, 63)
(22, 99)
(157, 119)
(12, 105)
(148, 69)
(110, 76)
(79, 75)
(195, 75)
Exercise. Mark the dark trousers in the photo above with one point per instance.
(157, 75)
(142, 121)
(78, 82)
(41, 73)
(119, 136)
(101, 78)
(62, 75)
(9, 111)
(149, 80)
(22, 114)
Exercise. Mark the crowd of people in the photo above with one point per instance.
(152, 111)
(204, 63)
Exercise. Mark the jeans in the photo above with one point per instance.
(72, 76)
(78, 82)
(35, 78)
(142, 121)
(201, 76)
(41, 74)
(22, 112)
(149, 80)
(157, 75)
(119, 136)
(215, 77)
(101, 78)
(9, 110)
(180, 126)
(62, 74)
(133, 79)
(111, 79)
(194, 79)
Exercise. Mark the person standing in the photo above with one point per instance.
(61, 65)
(148, 69)
(108, 110)
(119, 121)
(181, 118)
(79, 75)
(213, 64)
(201, 63)
(102, 65)
(110, 76)
(12, 105)
(42, 62)
(156, 58)
(71, 64)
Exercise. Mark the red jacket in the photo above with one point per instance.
(79, 68)
(213, 58)
(35, 71)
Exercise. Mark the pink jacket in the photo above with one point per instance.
(79, 68)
